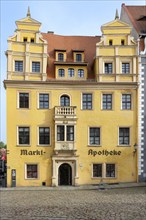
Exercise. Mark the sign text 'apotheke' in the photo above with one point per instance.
(104, 153)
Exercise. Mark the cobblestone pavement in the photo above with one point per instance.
(115, 204)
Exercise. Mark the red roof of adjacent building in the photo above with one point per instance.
(137, 15)
(70, 44)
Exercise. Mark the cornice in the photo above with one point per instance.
(68, 85)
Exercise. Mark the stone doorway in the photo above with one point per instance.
(65, 175)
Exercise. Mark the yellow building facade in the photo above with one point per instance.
(72, 116)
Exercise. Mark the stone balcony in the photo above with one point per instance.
(66, 112)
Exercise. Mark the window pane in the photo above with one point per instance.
(23, 100)
(36, 67)
(19, 66)
(94, 136)
(108, 67)
(124, 136)
(110, 170)
(60, 133)
(60, 57)
(79, 57)
(71, 72)
(125, 67)
(80, 73)
(23, 133)
(107, 101)
(87, 101)
(65, 100)
(70, 133)
(126, 101)
(97, 170)
(43, 101)
(32, 171)
(44, 136)
(61, 73)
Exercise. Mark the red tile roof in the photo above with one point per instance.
(137, 15)
(70, 44)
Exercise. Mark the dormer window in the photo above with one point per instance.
(78, 57)
(25, 39)
(110, 42)
(122, 42)
(32, 40)
(60, 57)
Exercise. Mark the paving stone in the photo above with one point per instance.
(112, 204)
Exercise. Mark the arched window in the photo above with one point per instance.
(61, 72)
(71, 72)
(65, 100)
(60, 57)
(80, 73)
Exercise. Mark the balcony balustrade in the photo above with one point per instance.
(65, 111)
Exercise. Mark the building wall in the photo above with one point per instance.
(77, 156)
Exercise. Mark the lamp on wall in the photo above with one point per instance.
(135, 148)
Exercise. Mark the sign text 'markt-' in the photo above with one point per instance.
(32, 152)
(104, 152)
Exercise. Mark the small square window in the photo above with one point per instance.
(25, 39)
(36, 67)
(108, 68)
(78, 57)
(122, 42)
(19, 66)
(32, 40)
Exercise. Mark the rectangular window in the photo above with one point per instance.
(23, 100)
(65, 133)
(31, 171)
(25, 39)
(18, 66)
(124, 136)
(60, 133)
(87, 101)
(110, 170)
(78, 57)
(110, 42)
(108, 68)
(23, 135)
(94, 136)
(107, 101)
(97, 170)
(122, 42)
(32, 40)
(126, 101)
(43, 101)
(125, 68)
(44, 136)
(71, 72)
(36, 67)
(70, 133)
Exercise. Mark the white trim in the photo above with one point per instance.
(29, 97)
(25, 171)
(38, 135)
(124, 145)
(23, 126)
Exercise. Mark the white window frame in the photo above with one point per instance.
(18, 104)
(65, 133)
(31, 61)
(104, 171)
(106, 93)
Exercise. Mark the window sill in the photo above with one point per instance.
(43, 145)
(23, 145)
(123, 145)
(89, 145)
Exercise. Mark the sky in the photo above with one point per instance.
(70, 17)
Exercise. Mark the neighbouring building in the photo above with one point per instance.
(71, 106)
(136, 17)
